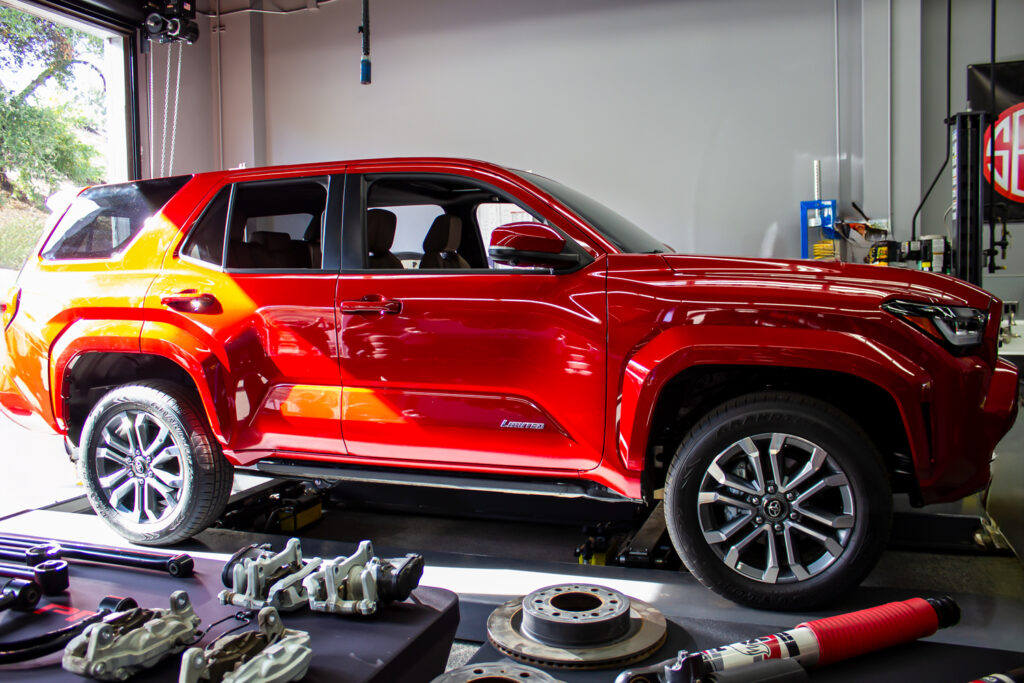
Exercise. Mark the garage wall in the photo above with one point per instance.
(697, 119)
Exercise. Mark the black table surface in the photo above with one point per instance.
(407, 641)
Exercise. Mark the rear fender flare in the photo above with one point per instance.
(652, 366)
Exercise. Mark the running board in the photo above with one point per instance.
(304, 469)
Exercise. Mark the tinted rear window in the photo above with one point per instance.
(103, 219)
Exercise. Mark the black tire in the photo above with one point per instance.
(168, 495)
(851, 510)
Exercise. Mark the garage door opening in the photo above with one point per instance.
(63, 118)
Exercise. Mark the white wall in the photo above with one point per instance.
(697, 119)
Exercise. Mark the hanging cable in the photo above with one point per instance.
(167, 96)
(949, 114)
(174, 117)
(993, 114)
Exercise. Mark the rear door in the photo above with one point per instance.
(448, 361)
(251, 292)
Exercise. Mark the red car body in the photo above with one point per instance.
(546, 376)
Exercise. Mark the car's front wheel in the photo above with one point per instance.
(778, 500)
(150, 464)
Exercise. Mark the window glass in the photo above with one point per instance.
(206, 240)
(436, 222)
(103, 219)
(277, 225)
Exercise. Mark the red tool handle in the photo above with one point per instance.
(848, 635)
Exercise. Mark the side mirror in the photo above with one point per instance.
(530, 244)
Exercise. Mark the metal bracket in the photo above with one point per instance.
(124, 643)
(273, 654)
(359, 583)
(259, 578)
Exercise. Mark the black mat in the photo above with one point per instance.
(405, 642)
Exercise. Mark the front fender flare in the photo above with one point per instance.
(677, 349)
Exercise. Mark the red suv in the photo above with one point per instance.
(459, 323)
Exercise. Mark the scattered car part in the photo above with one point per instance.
(19, 594)
(812, 643)
(273, 654)
(48, 643)
(359, 583)
(258, 578)
(37, 550)
(1012, 676)
(577, 626)
(50, 575)
(123, 643)
(497, 672)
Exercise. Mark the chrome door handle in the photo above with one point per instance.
(372, 303)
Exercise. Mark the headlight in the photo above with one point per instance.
(954, 325)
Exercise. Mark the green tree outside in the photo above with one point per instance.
(41, 138)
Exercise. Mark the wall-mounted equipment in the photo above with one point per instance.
(817, 222)
(172, 21)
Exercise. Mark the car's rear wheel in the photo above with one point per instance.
(778, 500)
(150, 464)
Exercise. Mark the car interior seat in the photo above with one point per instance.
(380, 235)
(441, 243)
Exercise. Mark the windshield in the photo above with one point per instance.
(622, 233)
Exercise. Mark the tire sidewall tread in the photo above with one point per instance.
(207, 472)
(809, 418)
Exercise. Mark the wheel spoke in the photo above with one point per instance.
(799, 571)
(754, 456)
(778, 441)
(729, 530)
(166, 456)
(167, 484)
(118, 494)
(814, 464)
(158, 441)
(708, 497)
(125, 428)
(730, 482)
(139, 507)
(138, 428)
(111, 479)
(831, 544)
(831, 521)
(732, 557)
(109, 454)
(771, 571)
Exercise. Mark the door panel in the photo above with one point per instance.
(485, 368)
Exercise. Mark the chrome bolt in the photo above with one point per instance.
(778, 527)
(794, 516)
(789, 495)
(771, 488)
(759, 520)
(755, 501)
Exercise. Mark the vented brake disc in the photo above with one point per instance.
(578, 626)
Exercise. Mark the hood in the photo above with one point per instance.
(845, 280)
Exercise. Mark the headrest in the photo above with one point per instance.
(380, 230)
(444, 235)
(274, 241)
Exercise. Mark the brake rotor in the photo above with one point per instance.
(495, 672)
(576, 626)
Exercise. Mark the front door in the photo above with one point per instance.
(447, 360)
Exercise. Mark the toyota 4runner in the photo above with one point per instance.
(440, 320)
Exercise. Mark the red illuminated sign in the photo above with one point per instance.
(1008, 164)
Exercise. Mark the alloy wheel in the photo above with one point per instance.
(776, 508)
(139, 466)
